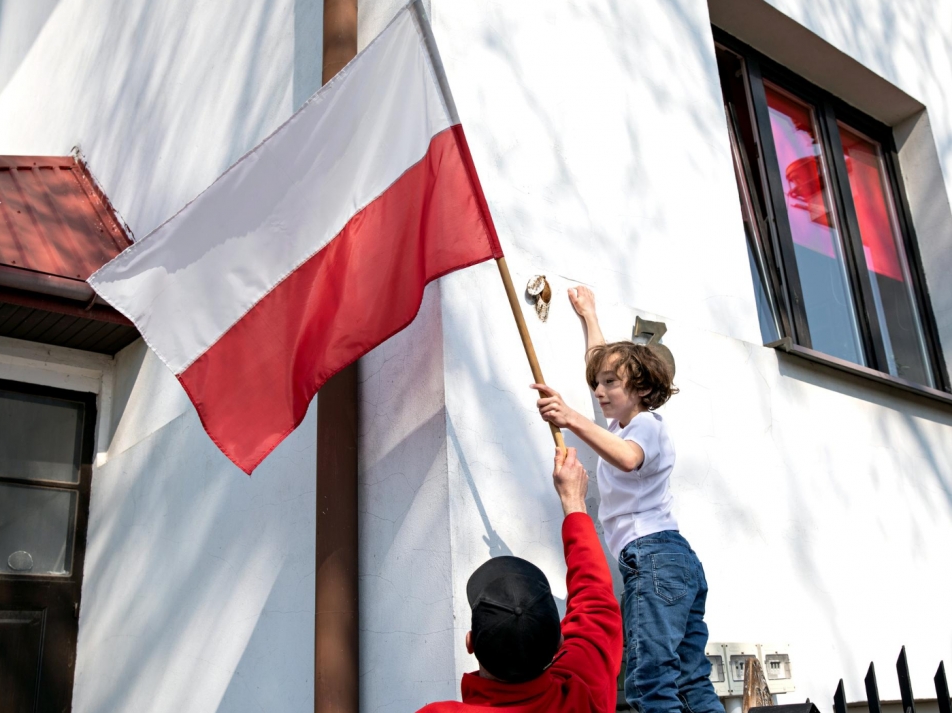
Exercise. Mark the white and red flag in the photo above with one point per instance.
(313, 248)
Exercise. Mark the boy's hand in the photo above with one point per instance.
(571, 481)
(553, 409)
(583, 300)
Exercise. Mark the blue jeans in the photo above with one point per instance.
(665, 593)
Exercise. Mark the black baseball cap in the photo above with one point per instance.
(516, 629)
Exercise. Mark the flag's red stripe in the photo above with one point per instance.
(477, 188)
(254, 385)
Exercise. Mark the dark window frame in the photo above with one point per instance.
(80, 516)
(790, 313)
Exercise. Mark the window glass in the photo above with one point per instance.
(36, 529)
(40, 438)
(884, 258)
(818, 247)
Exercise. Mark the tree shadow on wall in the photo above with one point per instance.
(185, 556)
(492, 539)
(164, 97)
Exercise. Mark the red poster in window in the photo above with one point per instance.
(798, 155)
(874, 210)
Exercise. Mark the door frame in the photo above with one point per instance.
(82, 376)
(58, 597)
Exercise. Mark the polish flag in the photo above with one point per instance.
(313, 248)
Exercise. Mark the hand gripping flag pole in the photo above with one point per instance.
(419, 15)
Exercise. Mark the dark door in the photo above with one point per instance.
(46, 451)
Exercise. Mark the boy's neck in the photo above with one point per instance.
(640, 408)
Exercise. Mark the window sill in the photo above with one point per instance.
(787, 346)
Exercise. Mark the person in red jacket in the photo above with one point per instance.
(529, 662)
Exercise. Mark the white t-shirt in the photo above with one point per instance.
(638, 503)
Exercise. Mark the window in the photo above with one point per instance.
(829, 240)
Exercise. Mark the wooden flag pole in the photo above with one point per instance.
(526, 339)
(424, 25)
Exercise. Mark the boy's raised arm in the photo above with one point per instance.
(583, 300)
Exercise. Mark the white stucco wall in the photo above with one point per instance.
(198, 592)
(407, 627)
(820, 504)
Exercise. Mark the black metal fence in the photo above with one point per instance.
(905, 689)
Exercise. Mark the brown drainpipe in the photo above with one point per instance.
(336, 639)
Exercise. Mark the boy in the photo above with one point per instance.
(665, 588)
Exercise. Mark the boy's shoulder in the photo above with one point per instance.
(643, 420)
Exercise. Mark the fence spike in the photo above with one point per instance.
(839, 699)
(872, 690)
(942, 689)
(905, 684)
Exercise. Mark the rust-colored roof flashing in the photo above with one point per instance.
(56, 228)
(54, 219)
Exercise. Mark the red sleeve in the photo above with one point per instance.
(592, 623)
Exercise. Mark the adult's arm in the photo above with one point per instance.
(592, 625)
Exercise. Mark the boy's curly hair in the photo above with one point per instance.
(639, 366)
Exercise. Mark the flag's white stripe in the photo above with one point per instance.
(189, 281)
